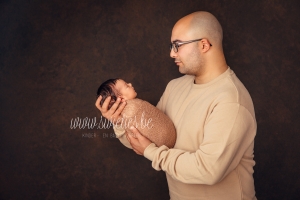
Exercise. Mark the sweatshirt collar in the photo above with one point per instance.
(221, 76)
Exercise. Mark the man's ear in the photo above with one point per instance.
(204, 45)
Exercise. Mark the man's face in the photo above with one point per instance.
(188, 58)
(125, 90)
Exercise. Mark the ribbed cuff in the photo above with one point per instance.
(150, 151)
(118, 131)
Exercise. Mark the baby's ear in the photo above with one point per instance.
(121, 98)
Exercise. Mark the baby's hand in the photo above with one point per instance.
(113, 114)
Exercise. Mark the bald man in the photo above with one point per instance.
(213, 114)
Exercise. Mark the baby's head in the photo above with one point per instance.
(115, 88)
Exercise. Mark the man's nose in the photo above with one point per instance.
(130, 84)
(172, 53)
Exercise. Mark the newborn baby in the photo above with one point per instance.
(149, 120)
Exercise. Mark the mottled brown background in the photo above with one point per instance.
(54, 55)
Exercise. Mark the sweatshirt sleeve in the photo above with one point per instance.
(120, 134)
(163, 99)
(228, 132)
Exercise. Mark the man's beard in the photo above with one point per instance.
(193, 66)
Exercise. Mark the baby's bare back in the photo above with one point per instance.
(150, 121)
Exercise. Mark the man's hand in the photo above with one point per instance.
(113, 114)
(138, 142)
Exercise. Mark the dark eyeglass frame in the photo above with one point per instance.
(176, 44)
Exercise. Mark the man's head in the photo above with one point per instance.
(193, 57)
(115, 88)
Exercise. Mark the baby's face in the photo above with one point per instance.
(125, 90)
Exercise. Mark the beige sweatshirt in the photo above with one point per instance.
(213, 154)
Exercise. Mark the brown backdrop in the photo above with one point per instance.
(54, 55)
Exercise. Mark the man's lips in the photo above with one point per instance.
(177, 62)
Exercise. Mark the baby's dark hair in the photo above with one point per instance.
(106, 89)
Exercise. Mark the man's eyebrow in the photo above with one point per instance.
(176, 41)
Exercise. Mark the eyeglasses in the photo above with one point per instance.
(176, 44)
